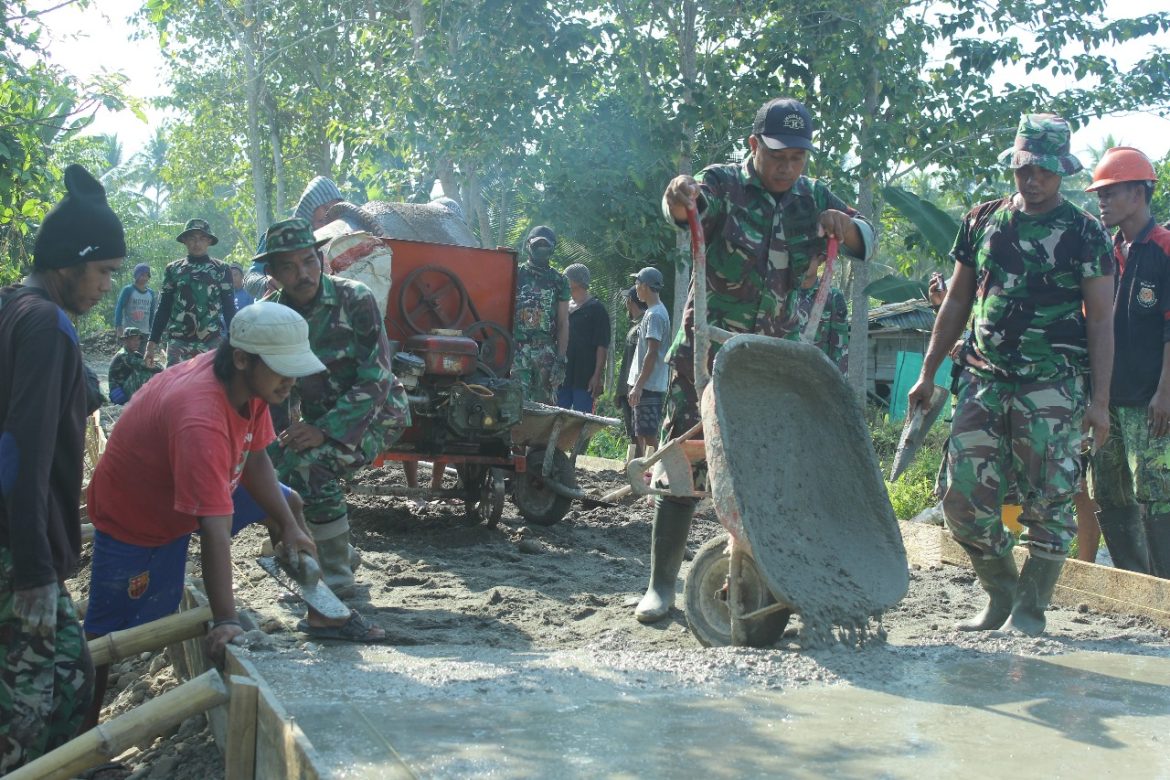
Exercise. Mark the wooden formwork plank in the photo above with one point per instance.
(1103, 588)
(240, 756)
(282, 749)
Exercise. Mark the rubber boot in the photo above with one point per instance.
(1125, 536)
(1033, 591)
(668, 544)
(998, 577)
(1158, 537)
(333, 553)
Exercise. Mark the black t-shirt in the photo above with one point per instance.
(42, 410)
(1141, 317)
(588, 330)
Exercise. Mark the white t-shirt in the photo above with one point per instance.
(655, 325)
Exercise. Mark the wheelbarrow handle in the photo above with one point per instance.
(702, 346)
(814, 314)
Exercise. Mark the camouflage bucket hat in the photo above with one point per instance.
(200, 225)
(1043, 140)
(288, 236)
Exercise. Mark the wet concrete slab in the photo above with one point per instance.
(903, 712)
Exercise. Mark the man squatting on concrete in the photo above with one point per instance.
(1038, 274)
(189, 456)
(197, 300)
(46, 677)
(765, 225)
(340, 419)
(128, 370)
(1131, 476)
(589, 335)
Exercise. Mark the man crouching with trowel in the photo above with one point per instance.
(765, 225)
(188, 455)
(1024, 265)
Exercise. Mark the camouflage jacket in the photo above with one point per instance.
(538, 291)
(1028, 321)
(758, 249)
(128, 370)
(196, 301)
(832, 336)
(358, 391)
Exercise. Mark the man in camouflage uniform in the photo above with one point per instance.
(1131, 473)
(542, 320)
(197, 300)
(342, 419)
(765, 225)
(128, 369)
(1036, 273)
(832, 334)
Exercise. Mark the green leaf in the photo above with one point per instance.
(936, 226)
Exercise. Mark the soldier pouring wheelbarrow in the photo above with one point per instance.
(766, 226)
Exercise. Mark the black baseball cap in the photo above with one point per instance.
(784, 123)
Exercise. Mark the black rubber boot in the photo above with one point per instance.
(668, 544)
(998, 577)
(1033, 591)
(1158, 537)
(1125, 536)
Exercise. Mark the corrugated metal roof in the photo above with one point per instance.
(907, 315)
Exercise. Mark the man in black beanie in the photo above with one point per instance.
(46, 679)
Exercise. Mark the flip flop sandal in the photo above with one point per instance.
(353, 630)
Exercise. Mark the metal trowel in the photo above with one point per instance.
(305, 582)
(915, 430)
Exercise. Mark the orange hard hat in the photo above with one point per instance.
(1119, 164)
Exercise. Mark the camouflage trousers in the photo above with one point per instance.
(318, 474)
(1014, 438)
(540, 371)
(179, 350)
(680, 409)
(1133, 465)
(46, 681)
(137, 378)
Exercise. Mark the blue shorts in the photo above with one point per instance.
(130, 585)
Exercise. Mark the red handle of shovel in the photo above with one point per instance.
(814, 315)
(699, 284)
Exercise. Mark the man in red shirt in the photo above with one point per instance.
(174, 461)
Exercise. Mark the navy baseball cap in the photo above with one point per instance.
(651, 277)
(784, 123)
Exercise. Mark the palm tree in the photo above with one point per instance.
(147, 168)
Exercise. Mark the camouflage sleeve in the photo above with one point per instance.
(166, 301)
(827, 199)
(971, 231)
(119, 370)
(713, 199)
(835, 323)
(1097, 259)
(354, 411)
(563, 293)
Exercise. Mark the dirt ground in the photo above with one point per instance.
(429, 579)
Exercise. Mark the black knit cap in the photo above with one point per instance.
(81, 228)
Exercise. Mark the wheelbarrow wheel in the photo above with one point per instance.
(705, 599)
(532, 497)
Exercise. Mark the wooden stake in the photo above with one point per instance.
(150, 636)
(240, 757)
(103, 743)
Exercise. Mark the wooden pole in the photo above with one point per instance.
(240, 757)
(103, 743)
(150, 636)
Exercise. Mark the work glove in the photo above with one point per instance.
(37, 608)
